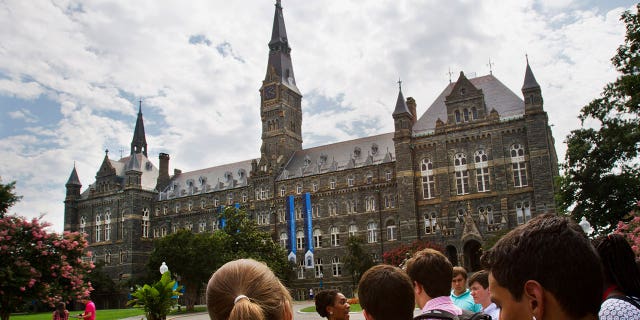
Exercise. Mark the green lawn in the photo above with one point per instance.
(110, 314)
(354, 308)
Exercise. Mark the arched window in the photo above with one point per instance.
(523, 211)
(300, 240)
(474, 113)
(391, 230)
(428, 179)
(518, 165)
(457, 116)
(462, 175)
(317, 238)
(336, 266)
(83, 224)
(430, 223)
(482, 170)
(284, 239)
(335, 237)
(145, 223)
(372, 232)
(107, 225)
(465, 113)
(353, 230)
(98, 228)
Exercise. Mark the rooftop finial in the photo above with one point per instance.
(140, 106)
(526, 56)
(450, 74)
(490, 64)
(278, 4)
(400, 84)
(106, 152)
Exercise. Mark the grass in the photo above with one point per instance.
(109, 314)
(354, 308)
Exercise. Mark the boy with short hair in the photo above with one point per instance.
(460, 295)
(479, 286)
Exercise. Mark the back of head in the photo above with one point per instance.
(432, 270)
(555, 252)
(481, 277)
(60, 307)
(386, 292)
(324, 299)
(618, 261)
(246, 289)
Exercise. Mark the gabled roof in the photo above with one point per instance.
(340, 156)
(224, 177)
(149, 171)
(496, 96)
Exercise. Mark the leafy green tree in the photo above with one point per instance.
(601, 175)
(7, 197)
(357, 260)
(38, 265)
(156, 299)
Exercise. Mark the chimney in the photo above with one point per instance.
(163, 175)
(411, 104)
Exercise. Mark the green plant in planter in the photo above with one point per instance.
(156, 299)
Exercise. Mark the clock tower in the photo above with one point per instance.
(280, 108)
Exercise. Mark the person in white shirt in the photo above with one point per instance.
(479, 285)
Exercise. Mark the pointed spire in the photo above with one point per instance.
(139, 141)
(73, 178)
(529, 79)
(133, 163)
(401, 104)
(280, 53)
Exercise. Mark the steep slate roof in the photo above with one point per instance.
(149, 171)
(529, 79)
(73, 178)
(228, 176)
(496, 96)
(401, 105)
(340, 156)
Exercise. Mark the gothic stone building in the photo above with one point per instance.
(481, 159)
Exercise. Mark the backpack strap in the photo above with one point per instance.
(632, 300)
(436, 314)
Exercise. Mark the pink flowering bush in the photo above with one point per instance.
(631, 230)
(36, 264)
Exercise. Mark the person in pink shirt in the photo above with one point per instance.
(89, 310)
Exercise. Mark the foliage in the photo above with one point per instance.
(631, 229)
(7, 197)
(488, 244)
(194, 257)
(156, 299)
(602, 172)
(37, 265)
(398, 255)
(357, 260)
(103, 314)
(101, 282)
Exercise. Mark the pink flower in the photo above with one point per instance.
(22, 289)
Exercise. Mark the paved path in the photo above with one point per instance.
(297, 315)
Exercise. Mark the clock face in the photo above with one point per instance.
(270, 92)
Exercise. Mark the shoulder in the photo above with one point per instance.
(614, 308)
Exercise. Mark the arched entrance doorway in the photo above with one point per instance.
(472, 252)
(452, 254)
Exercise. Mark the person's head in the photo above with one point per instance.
(247, 289)
(459, 281)
(431, 274)
(386, 292)
(332, 304)
(479, 286)
(618, 262)
(546, 268)
(60, 307)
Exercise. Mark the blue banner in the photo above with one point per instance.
(223, 221)
(308, 223)
(292, 225)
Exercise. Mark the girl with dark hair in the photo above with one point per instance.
(332, 305)
(621, 277)
(61, 312)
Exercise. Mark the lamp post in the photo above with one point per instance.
(163, 268)
(586, 226)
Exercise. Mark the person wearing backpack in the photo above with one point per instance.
(621, 279)
(431, 274)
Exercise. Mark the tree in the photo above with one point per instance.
(35, 264)
(7, 197)
(631, 229)
(602, 172)
(357, 260)
(399, 255)
(158, 298)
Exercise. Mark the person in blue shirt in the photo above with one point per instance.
(460, 295)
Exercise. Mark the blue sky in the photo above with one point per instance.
(72, 72)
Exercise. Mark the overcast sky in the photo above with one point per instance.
(71, 73)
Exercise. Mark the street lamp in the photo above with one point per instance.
(586, 226)
(163, 268)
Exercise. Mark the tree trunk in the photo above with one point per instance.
(190, 297)
(5, 310)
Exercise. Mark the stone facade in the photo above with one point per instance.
(479, 160)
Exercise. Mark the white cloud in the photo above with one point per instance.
(24, 115)
(95, 58)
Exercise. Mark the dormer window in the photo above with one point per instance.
(374, 149)
(148, 166)
(307, 161)
(357, 152)
(202, 180)
(463, 91)
(323, 159)
(241, 173)
(465, 113)
(228, 176)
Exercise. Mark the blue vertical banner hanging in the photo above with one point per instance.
(308, 230)
(223, 220)
(292, 228)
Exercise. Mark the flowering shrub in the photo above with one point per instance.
(398, 255)
(631, 230)
(36, 264)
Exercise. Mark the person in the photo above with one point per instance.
(61, 312)
(386, 292)
(332, 304)
(460, 295)
(431, 273)
(545, 269)
(247, 289)
(479, 286)
(89, 310)
(621, 279)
